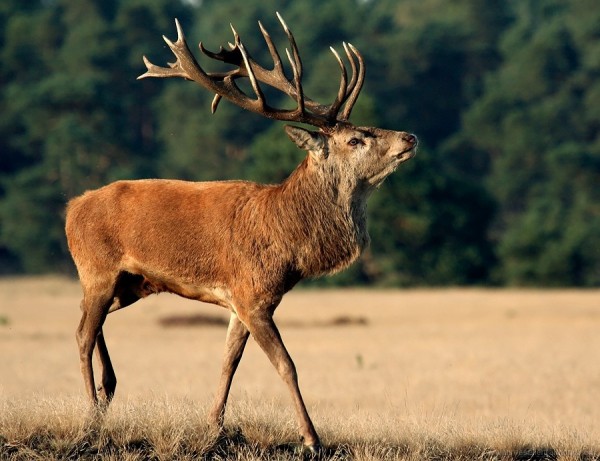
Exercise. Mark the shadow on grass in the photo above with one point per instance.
(233, 444)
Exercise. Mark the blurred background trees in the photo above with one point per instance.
(504, 95)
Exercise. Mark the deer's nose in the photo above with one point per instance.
(410, 138)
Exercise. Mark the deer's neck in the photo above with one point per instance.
(325, 218)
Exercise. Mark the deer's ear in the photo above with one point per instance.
(311, 141)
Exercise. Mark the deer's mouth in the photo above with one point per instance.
(407, 154)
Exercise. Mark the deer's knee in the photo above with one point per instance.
(86, 335)
(85, 345)
(287, 370)
(86, 348)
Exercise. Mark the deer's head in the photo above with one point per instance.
(359, 156)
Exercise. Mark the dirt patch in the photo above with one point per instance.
(195, 320)
(341, 321)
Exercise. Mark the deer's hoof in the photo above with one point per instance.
(313, 450)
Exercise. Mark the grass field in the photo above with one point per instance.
(407, 374)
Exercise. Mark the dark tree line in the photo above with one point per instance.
(504, 95)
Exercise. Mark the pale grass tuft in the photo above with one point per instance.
(170, 429)
(43, 427)
(157, 429)
(268, 424)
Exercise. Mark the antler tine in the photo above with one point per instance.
(358, 84)
(272, 49)
(215, 103)
(352, 66)
(343, 90)
(297, 82)
(240, 46)
(293, 45)
(180, 34)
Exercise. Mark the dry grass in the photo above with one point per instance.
(168, 430)
(409, 375)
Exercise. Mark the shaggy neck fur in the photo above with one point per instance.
(325, 217)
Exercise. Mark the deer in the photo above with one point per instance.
(236, 244)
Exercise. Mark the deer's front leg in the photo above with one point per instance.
(266, 334)
(237, 335)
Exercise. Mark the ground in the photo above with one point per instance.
(519, 364)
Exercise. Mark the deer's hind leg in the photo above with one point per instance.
(94, 306)
(106, 390)
(121, 293)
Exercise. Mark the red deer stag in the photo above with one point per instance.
(236, 244)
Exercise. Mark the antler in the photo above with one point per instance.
(224, 86)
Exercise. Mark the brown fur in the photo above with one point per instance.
(237, 244)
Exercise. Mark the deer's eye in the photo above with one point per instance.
(355, 142)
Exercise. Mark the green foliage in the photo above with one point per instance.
(536, 124)
(504, 96)
(429, 226)
(272, 156)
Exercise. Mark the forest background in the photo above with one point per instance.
(503, 94)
